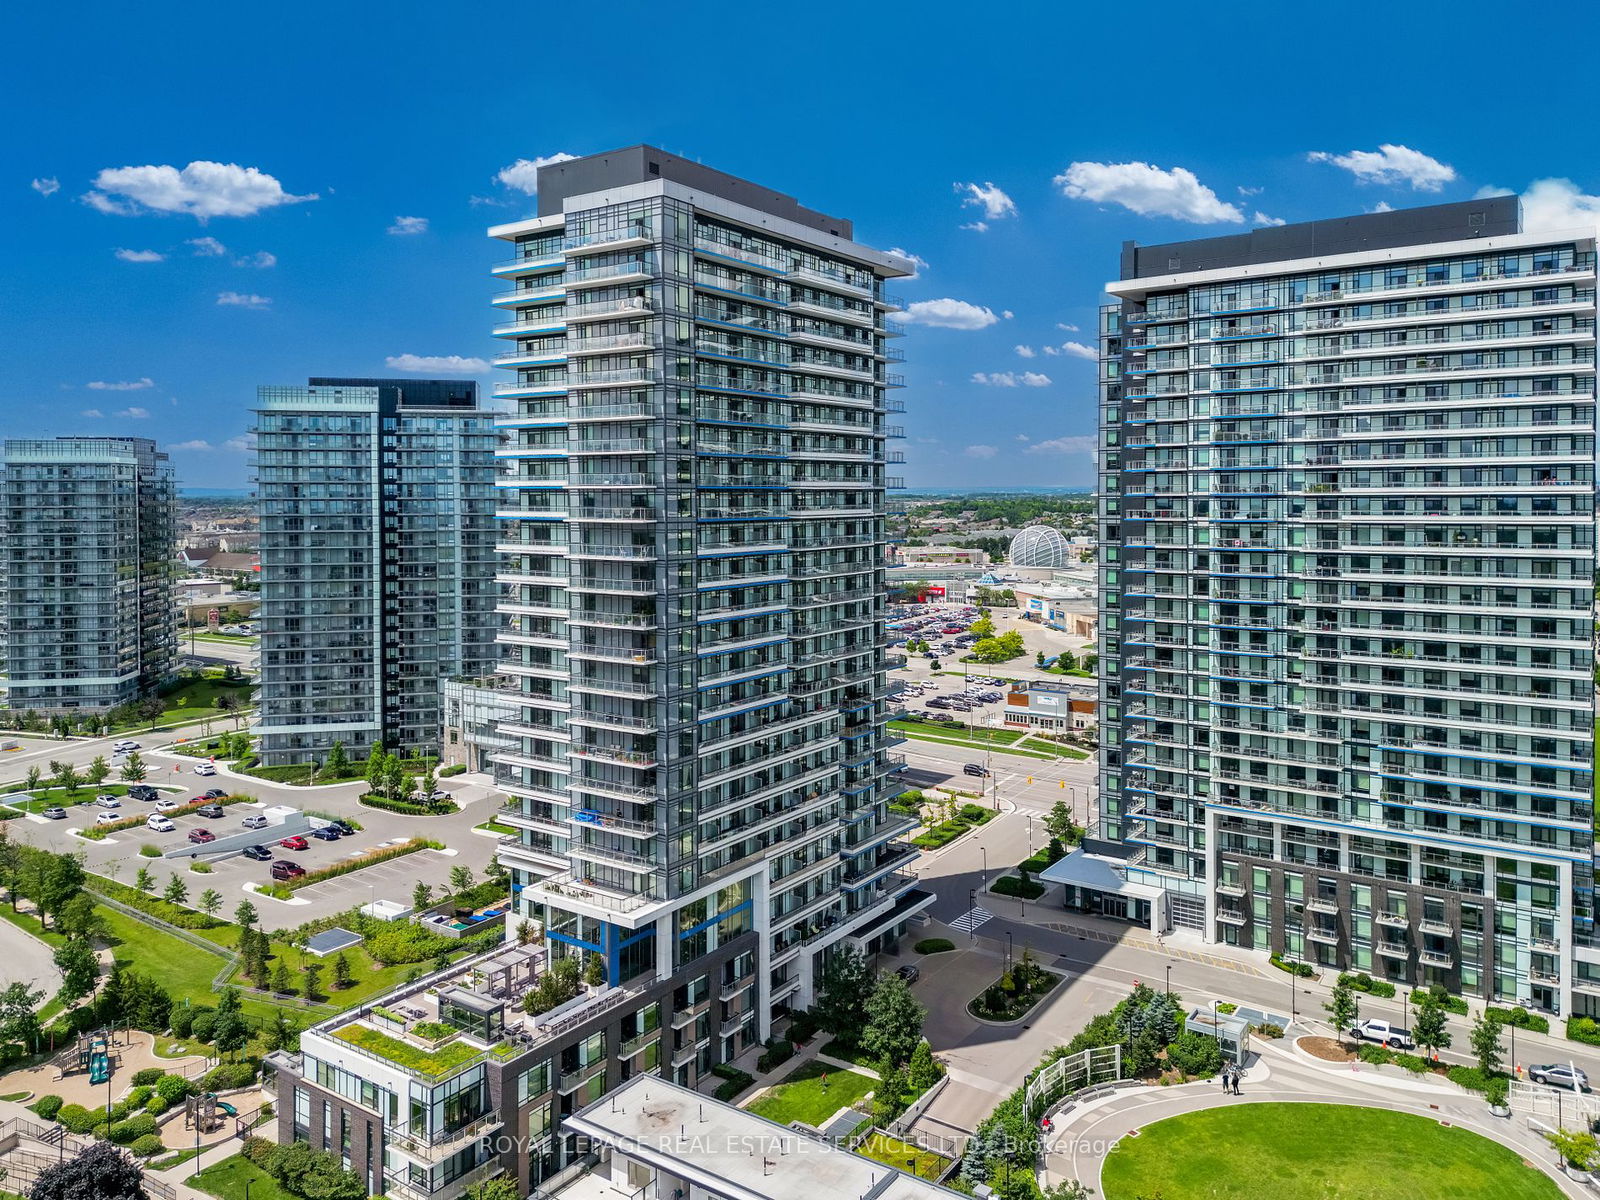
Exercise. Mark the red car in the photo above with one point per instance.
(202, 835)
(284, 869)
(294, 843)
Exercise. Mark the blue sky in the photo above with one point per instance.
(357, 151)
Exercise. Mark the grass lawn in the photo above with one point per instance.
(937, 732)
(185, 971)
(1327, 1151)
(194, 700)
(45, 797)
(802, 1097)
(495, 827)
(227, 1178)
(880, 1147)
(837, 1049)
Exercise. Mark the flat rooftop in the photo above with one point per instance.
(734, 1153)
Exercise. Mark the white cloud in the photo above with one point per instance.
(1022, 437)
(524, 173)
(946, 313)
(1065, 327)
(134, 413)
(437, 364)
(1555, 205)
(140, 256)
(201, 189)
(1261, 218)
(977, 226)
(1063, 445)
(206, 247)
(981, 451)
(996, 205)
(91, 412)
(1147, 190)
(1024, 351)
(126, 385)
(243, 300)
(1008, 314)
(1250, 191)
(1392, 165)
(405, 226)
(196, 444)
(1011, 379)
(242, 444)
(1382, 206)
(918, 263)
(48, 186)
(261, 258)
(1073, 350)
(489, 202)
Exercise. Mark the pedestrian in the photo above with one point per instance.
(1224, 1081)
(1236, 1074)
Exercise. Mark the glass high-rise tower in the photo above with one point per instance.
(1346, 502)
(88, 544)
(376, 501)
(692, 539)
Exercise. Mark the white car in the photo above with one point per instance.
(1383, 1033)
(107, 800)
(108, 818)
(166, 806)
(204, 768)
(124, 747)
(159, 824)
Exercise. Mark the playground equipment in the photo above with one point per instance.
(206, 1112)
(94, 1056)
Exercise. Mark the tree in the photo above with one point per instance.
(923, 1072)
(429, 780)
(842, 994)
(60, 880)
(341, 971)
(280, 979)
(375, 767)
(210, 902)
(498, 1188)
(460, 878)
(894, 1021)
(594, 971)
(150, 709)
(66, 777)
(34, 778)
(245, 914)
(983, 627)
(1577, 1150)
(338, 762)
(98, 770)
(421, 896)
(396, 783)
(889, 1100)
(279, 1033)
(80, 917)
(79, 967)
(1342, 1008)
(1486, 1046)
(18, 1020)
(177, 890)
(228, 703)
(133, 769)
(313, 980)
(143, 880)
(103, 1172)
(1058, 823)
(1429, 1031)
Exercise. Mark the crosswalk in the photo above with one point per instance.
(971, 919)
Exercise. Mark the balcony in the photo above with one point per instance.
(1440, 958)
(442, 1143)
(1436, 928)
(1394, 950)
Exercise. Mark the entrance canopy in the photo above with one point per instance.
(1098, 873)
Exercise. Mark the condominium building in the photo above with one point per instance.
(1346, 505)
(376, 501)
(88, 536)
(692, 531)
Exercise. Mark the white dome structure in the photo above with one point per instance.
(1040, 546)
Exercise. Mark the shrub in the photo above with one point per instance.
(452, 769)
(182, 1021)
(1451, 1004)
(149, 851)
(200, 868)
(1227, 1007)
(1304, 970)
(258, 1150)
(48, 1106)
(124, 1132)
(1010, 885)
(147, 1077)
(147, 1145)
(136, 1098)
(733, 1082)
(1362, 982)
(1519, 1016)
(1497, 1091)
(155, 1106)
(1195, 1054)
(1584, 1029)
(1414, 1063)
(173, 1088)
(346, 865)
(802, 1026)
(1269, 1031)
(1474, 1079)
(77, 1118)
(934, 946)
(437, 808)
(229, 1075)
(1374, 1054)
(203, 1025)
(777, 1052)
(405, 942)
(974, 814)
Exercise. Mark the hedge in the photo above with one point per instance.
(452, 769)
(1519, 1016)
(77, 1118)
(437, 808)
(1584, 1029)
(934, 946)
(733, 1082)
(777, 1053)
(147, 1145)
(346, 865)
(1304, 970)
(225, 1076)
(96, 832)
(1362, 982)
(124, 1132)
(1452, 1004)
(1010, 885)
(48, 1106)
(147, 1077)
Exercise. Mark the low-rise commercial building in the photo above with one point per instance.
(1052, 706)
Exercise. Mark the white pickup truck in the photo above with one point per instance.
(1383, 1033)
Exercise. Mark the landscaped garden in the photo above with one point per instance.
(812, 1093)
(1014, 994)
(944, 831)
(1264, 1151)
(892, 1152)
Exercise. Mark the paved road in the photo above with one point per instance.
(26, 960)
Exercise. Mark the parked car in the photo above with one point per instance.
(910, 973)
(159, 824)
(255, 821)
(1561, 1075)
(210, 811)
(166, 806)
(204, 768)
(54, 813)
(284, 869)
(124, 747)
(975, 769)
(259, 853)
(344, 827)
(202, 836)
(108, 818)
(107, 800)
(438, 794)
(215, 794)
(295, 843)
(1383, 1033)
(143, 792)
(326, 833)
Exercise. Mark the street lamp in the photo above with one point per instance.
(1008, 949)
(984, 850)
(1169, 981)
(972, 900)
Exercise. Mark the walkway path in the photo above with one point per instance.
(1083, 1136)
(27, 960)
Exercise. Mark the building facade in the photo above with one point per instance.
(1346, 506)
(376, 503)
(692, 524)
(88, 535)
